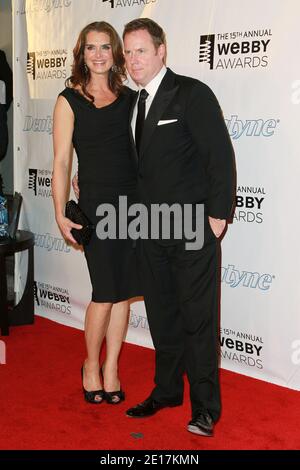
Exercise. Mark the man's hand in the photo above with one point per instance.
(217, 226)
(75, 185)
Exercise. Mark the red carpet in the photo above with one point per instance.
(42, 406)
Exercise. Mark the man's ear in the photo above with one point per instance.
(162, 52)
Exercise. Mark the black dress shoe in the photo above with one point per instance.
(201, 424)
(148, 408)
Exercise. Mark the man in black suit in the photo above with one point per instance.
(183, 155)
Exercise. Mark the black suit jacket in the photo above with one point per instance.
(190, 160)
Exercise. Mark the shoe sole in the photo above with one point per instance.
(152, 414)
(196, 430)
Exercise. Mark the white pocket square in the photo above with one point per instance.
(166, 121)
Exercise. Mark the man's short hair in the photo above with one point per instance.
(156, 32)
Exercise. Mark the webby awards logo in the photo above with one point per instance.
(47, 65)
(55, 298)
(242, 347)
(39, 181)
(250, 203)
(236, 49)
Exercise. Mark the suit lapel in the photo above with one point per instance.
(162, 99)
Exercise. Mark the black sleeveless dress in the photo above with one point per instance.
(105, 172)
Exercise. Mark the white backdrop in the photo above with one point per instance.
(247, 52)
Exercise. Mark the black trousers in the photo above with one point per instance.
(181, 297)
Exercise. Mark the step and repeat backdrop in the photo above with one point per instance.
(247, 52)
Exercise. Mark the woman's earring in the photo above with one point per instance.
(86, 69)
(114, 68)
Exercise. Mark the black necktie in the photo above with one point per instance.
(140, 119)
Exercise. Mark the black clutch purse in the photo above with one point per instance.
(74, 213)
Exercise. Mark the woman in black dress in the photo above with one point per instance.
(92, 116)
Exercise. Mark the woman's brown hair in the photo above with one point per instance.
(81, 75)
